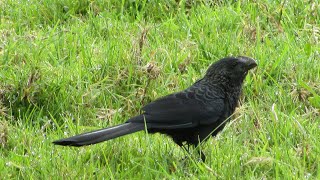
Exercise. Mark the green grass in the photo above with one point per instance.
(68, 67)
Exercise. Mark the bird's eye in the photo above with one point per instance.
(234, 64)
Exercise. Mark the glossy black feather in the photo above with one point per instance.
(100, 135)
(188, 116)
(199, 104)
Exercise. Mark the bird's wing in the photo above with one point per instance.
(184, 109)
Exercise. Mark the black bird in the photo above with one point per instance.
(188, 116)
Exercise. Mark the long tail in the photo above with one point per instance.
(101, 135)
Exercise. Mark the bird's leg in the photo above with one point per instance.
(186, 148)
(202, 156)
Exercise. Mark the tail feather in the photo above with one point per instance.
(100, 135)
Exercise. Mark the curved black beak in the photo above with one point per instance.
(250, 62)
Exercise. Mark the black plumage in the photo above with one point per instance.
(188, 116)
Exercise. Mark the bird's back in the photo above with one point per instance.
(216, 106)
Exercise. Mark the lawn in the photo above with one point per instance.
(68, 67)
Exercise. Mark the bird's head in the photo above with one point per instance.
(231, 69)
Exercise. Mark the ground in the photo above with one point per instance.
(68, 67)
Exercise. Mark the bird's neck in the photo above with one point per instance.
(228, 85)
(231, 90)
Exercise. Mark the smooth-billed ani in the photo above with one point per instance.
(188, 116)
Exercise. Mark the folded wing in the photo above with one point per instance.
(185, 109)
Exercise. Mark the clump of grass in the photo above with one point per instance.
(69, 67)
